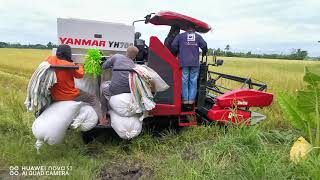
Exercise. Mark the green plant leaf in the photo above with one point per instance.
(288, 104)
(311, 77)
(308, 100)
(311, 95)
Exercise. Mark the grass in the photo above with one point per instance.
(259, 152)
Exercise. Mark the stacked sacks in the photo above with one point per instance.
(129, 109)
(51, 126)
(124, 119)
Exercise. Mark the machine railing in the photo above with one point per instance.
(249, 83)
(213, 78)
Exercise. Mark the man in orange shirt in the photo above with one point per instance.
(64, 89)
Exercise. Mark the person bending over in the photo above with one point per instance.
(120, 79)
(64, 89)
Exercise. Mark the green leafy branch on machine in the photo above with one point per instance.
(92, 63)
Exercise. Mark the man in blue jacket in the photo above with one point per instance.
(187, 45)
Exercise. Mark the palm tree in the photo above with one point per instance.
(227, 48)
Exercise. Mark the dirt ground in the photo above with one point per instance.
(126, 171)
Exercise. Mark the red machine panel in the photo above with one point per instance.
(236, 116)
(244, 98)
(158, 52)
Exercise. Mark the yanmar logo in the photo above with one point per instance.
(96, 43)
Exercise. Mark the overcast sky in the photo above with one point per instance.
(266, 26)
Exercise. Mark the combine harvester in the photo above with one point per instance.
(215, 103)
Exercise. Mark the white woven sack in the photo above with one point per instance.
(86, 119)
(50, 127)
(123, 104)
(125, 127)
(158, 83)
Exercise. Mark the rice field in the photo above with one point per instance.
(259, 152)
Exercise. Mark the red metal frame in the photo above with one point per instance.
(244, 98)
(193, 122)
(235, 116)
(228, 106)
(162, 51)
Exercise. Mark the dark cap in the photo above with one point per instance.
(64, 52)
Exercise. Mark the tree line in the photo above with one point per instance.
(296, 54)
(50, 45)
